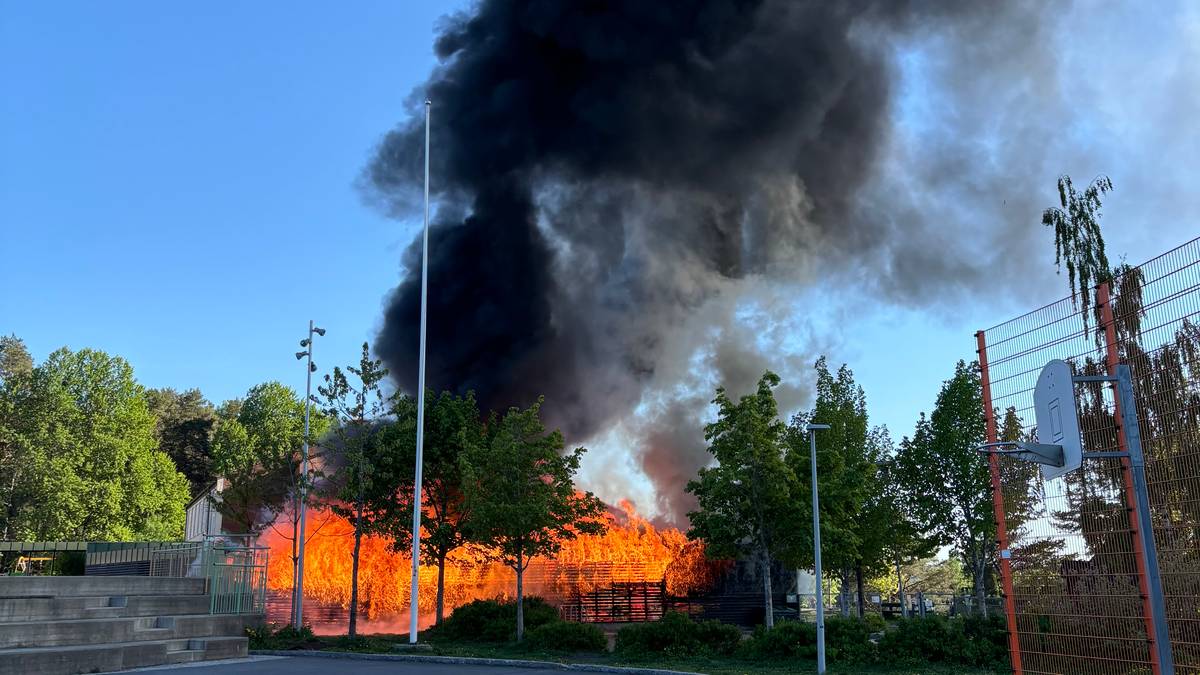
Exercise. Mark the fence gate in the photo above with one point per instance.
(1073, 573)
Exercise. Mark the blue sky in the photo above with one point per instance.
(177, 185)
(177, 182)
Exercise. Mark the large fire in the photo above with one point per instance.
(632, 550)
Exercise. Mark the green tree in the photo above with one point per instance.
(1077, 239)
(887, 535)
(184, 423)
(925, 575)
(16, 366)
(947, 487)
(14, 357)
(747, 503)
(452, 425)
(354, 410)
(257, 448)
(520, 490)
(845, 471)
(79, 441)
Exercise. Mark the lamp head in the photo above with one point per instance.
(300, 355)
(319, 331)
(811, 427)
(304, 342)
(312, 367)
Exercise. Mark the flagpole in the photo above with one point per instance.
(416, 528)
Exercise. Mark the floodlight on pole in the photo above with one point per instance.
(816, 509)
(416, 524)
(298, 591)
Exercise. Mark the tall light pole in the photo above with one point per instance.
(416, 527)
(816, 508)
(298, 591)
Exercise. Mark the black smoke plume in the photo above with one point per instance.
(607, 170)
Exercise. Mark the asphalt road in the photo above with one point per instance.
(300, 665)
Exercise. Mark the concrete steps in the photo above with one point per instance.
(117, 656)
(99, 606)
(120, 629)
(67, 625)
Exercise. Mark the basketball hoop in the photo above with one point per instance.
(1057, 422)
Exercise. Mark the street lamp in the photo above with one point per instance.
(816, 506)
(298, 592)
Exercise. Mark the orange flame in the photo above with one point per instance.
(631, 550)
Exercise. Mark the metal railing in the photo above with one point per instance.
(237, 579)
(182, 561)
(235, 571)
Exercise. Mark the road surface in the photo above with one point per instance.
(314, 665)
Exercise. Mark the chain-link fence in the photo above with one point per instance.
(1073, 569)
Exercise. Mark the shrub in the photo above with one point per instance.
(788, 640)
(677, 634)
(875, 623)
(971, 641)
(493, 620)
(566, 636)
(986, 640)
(848, 640)
(932, 638)
(286, 637)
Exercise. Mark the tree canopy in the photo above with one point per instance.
(452, 426)
(184, 425)
(519, 486)
(946, 483)
(1078, 242)
(747, 499)
(257, 449)
(78, 441)
(354, 404)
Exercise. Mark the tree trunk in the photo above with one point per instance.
(354, 573)
(844, 595)
(441, 587)
(858, 582)
(980, 565)
(769, 608)
(354, 584)
(520, 597)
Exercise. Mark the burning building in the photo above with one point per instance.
(631, 572)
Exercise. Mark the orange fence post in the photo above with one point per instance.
(1111, 360)
(1010, 607)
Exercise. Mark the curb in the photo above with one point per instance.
(471, 661)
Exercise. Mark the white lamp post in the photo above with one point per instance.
(816, 509)
(416, 527)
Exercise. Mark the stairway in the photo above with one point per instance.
(68, 625)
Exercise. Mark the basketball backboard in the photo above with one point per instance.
(1057, 416)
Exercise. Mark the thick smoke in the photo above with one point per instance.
(617, 180)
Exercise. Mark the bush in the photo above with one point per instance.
(916, 640)
(986, 641)
(848, 640)
(677, 634)
(493, 620)
(566, 636)
(286, 637)
(971, 641)
(788, 640)
(875, 623)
